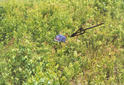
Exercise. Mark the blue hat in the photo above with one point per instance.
(60, 38)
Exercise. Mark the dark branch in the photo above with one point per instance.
(82, 31)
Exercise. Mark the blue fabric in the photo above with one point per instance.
(60, 38)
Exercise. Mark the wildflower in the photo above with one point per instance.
(60, 38)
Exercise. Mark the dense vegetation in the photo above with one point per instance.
(30, 56)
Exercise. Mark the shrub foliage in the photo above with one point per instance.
(30, 56)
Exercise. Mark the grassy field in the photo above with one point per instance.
(30, 56)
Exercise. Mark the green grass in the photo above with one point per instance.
(30, 56)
